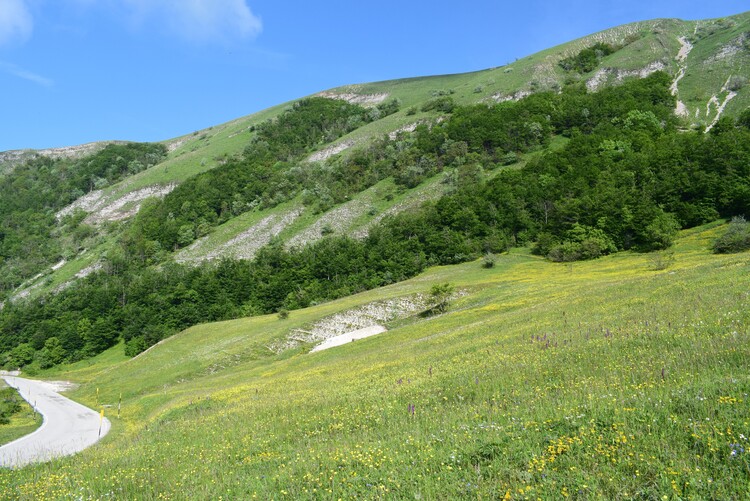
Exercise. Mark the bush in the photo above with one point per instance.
(582, 242)
(509, 158)
(488, 261)
(135, 345)
(736, 82)
(544, 244)
(588, 59)
(736, 238)
(440, 295)
(10, 403)
(659, 234)
(444, 104)
(659, 261)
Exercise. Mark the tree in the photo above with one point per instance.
(21, 355)
(440, 296)
(53, 353)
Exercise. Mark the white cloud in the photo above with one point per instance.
(19, 72)
(201, 20)
(16, 22)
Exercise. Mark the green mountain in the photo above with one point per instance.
(706, 59)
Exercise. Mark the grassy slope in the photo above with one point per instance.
(708, 71)
(641, 391)
(655, 41)
(21, 423)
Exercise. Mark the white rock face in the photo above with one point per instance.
(355, 98)
(327, 153)
(244, 245)
(103, 208)
(604, 74)
(354, 324)
(349, 337)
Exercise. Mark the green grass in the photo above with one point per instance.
(601, 379)
(21, 423)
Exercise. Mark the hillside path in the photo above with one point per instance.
(68, 426)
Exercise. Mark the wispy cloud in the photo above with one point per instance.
(200, 20)
(19, 72)
(16, 22)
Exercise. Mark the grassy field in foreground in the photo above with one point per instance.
(598, 380)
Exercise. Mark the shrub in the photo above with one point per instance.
(135, 345)
(544, 244)
(440, 295)
(444, 104)
(509, 158)
(488, 261)
(582, 242)
(10, 403)
(659, 234)
(588, 59)
(736, 82)
(659, 261)
(736, 238)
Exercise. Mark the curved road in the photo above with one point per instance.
(68, 426)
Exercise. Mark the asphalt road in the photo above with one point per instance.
(68, 427)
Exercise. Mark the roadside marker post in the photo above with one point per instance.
(101, 420)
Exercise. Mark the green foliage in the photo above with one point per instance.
(735, 239)
(627, 179)
(35, 190)
(20, 356)
(660, 232)
(440, 296)
(588, 59)
(744, 119)
(52, 354)
(582, 242)
(261, 177)
(488, 261)
(135, 345)
(10, 403)
(443, 104)
(389, 107)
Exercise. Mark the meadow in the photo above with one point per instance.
(618, 378)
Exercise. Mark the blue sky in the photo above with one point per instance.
(74, 71)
